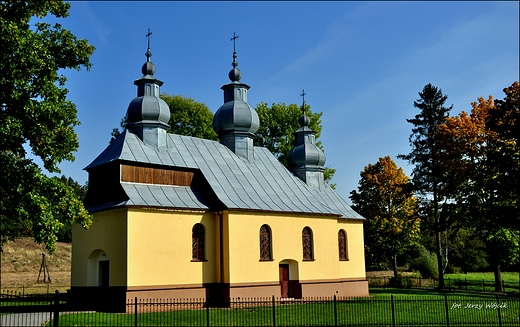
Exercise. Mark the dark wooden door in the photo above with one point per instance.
(284, 280)
(104, 273)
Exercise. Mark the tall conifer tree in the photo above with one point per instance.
(425, 156)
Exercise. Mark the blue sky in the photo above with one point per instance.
(361, 63)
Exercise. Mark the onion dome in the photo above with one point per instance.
(306, 160)
(236, 121)
(147, 114)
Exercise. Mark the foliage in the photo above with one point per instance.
(427, 172)
(36, 115)
(467, 250)
(277, 126)
(398, 281)
(385, 200)
(189, 117)
(481, 162)
(65, 233)
(424, 262)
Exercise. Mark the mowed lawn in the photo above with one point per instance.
(482, 281)
(383, 308)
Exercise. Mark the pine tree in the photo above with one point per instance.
(425, 156)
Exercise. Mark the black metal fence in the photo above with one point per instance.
(398, 310)
(451, 284)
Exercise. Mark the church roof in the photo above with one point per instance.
(262, 183)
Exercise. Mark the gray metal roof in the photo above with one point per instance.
(259, 184)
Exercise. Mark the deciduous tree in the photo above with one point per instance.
(35, 115)
(277, 126)
(385, 199)
(187, 117)
(481, 159)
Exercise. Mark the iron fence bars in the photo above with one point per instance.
(392, 310)
(365, 311)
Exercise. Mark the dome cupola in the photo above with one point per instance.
(306, 160)
(236, 121)
(147, 114)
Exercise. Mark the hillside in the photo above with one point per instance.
(20, 264)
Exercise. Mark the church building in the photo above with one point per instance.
(182, 217)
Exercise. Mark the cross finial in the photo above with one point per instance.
(234, 38)
(303, 104)
(148, 36)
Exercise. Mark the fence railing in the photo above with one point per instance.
(398, 310)
(452, 284)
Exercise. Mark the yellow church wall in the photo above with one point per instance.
(355, 266)
(160, 248)
(286, 239)
(106, 235)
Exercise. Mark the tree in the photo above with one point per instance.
(277, 126)
(36, 115)
(187, 117)
(384, 198)
(425, 156)
(481, 167)
(65, 232)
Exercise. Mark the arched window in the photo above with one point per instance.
(342, 245)
(307, 244)
(197, 242)
(265, 243)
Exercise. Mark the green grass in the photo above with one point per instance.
(412, 307)
(482, 282)
(508, 277)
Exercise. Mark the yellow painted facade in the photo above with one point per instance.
(286, 233)
(107, 235)
(163, 240)
(152, 249)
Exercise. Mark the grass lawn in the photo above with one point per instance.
(482, 282)
(411, 307)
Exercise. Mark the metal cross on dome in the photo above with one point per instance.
(303, 104)
(148, 36)
(234, 38)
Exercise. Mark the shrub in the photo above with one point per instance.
(398, 281)
(425, 263)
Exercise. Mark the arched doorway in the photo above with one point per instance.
(289, 279)
(98, 269)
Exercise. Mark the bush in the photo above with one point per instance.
(398, 281)
(425, 263)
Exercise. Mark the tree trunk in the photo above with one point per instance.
(439, 259)
(395, 265)
(498, 278)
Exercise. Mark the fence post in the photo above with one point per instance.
(207, 311)
(447, 310)
(56, 318)
(135, 311)
(335, 312)
(274, 312)
(499, 315)
(393, 310)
